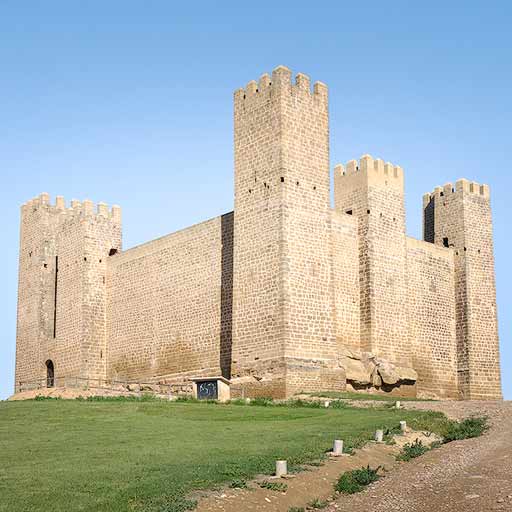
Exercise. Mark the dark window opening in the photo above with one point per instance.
(45, 265)
(112, 252)
(250, 191)
(349, 212)
(445, 242)
(50, 374)
(100, 261)
(282, 179)
(85, 259)
(478, 251)
(55, 297)
(465, 249)
(297, 183)
(441, 194)
(368, 212)
(30, 254)
(314, 188)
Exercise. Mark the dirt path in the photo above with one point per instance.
(474, 475)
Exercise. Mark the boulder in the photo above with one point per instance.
(388, 372)
(407, 373)
(356, 371)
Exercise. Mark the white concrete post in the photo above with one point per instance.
(247, 400)
(403, 427)
(397, 405)
(281, 468)
(327, 403)
(379, 436)
(337, 448)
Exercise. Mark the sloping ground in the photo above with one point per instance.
(474, 475)
(315, 483)
(123, 455)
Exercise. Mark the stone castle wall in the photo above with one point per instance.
(283, 295)
(170, 304)
(62, 283)
(431, 314)
(459, 217)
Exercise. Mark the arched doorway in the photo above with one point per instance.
(50, 374)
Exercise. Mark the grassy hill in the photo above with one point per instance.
(146, 456)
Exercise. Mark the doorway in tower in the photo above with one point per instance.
(50, 374)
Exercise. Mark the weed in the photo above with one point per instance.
(145, 397)
(470, 427)
(356, 480)
(262, 401)
(317, 503)
(273, 486)
(41, 398)
(238, 483)
(296, 509)
(412, 450)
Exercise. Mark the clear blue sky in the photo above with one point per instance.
(131, 103)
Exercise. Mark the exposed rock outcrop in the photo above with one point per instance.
(366, 369)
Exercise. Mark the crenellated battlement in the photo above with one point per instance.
(84, 208)
(367, 164)
(281, 82)
(462, 186)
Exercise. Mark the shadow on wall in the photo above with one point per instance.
(226, 295)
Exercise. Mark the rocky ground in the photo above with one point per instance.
(474, 475)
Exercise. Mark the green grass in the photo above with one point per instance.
(148, 455)
(352, 395)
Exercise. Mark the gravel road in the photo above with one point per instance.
(474, 475)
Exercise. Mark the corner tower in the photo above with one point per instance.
(373, 191)
(62, 289)
(460, 217)
(283, 302)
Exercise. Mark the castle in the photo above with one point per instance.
(285, 294)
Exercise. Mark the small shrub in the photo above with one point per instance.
(296, 509)
(412, 450)
(436, 444)
(238, 483)
(303, 403)
(317, 463)
(262, 401)
(145, 397)
(338, 404)
(356, 480)
(40, 398)
(317, 503)
(466, 429)
(273, 486)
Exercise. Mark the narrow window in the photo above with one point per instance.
(55, 296)
(114, 251)
(445, 242)
(349, 212)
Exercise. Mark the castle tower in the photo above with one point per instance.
(62, 289)
(283, 305)
(373, 191)
(460, 217)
